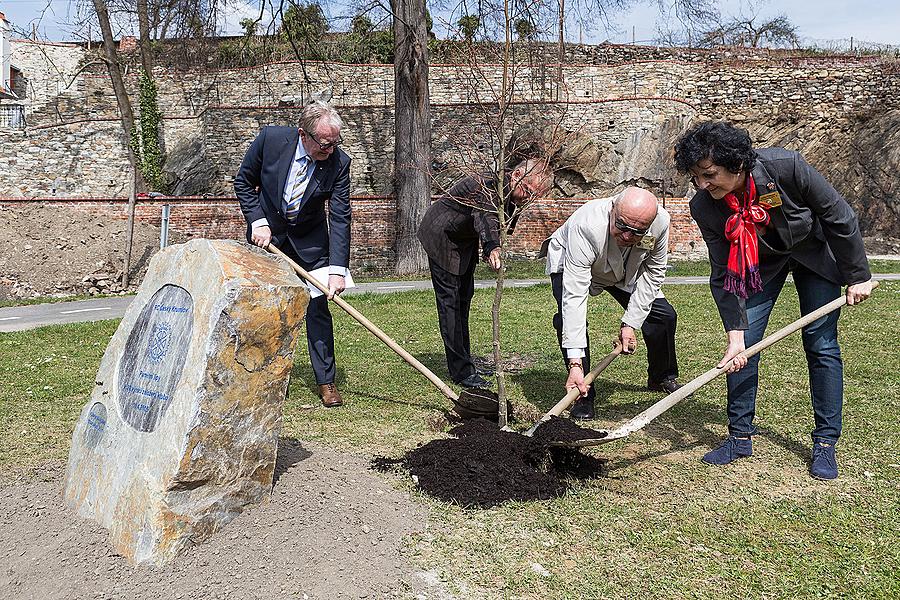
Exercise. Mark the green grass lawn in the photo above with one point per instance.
(659, 525)
(534, 269)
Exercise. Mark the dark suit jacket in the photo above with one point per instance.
(454, 224)
(259, 186)
(814, 226)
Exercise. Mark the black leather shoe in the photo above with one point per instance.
(583, 409)
(668, 385)
(474, 381)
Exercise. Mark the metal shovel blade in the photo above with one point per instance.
(573, 394)
(474, 403)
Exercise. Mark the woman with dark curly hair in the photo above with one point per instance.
(764, 213)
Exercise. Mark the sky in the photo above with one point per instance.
(871, 21)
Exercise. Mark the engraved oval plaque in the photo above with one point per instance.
(95, 426)
(154, 357)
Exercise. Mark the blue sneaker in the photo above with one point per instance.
(824, 462)
(729, 451)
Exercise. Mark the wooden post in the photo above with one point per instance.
(129, 234)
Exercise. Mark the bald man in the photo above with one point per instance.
(620, 245)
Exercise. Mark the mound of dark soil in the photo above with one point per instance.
(483, 466)
(557, 429)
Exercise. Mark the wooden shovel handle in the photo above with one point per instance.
(573, 393)
(689, 388)
(409, 358)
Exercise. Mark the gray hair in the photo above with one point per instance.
(314, 112)
(534, 166)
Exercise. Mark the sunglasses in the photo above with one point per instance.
(327, 146)
(622, 226)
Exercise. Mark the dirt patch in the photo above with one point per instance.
(513, 362)
(483, 466)
(47, 251)
(331, 530)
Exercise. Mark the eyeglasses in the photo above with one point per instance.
(622, 226)
(327, 146)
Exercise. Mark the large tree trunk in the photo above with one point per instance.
(412, 132)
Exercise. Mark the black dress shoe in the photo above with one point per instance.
(474, 381)
(667, 385)
(583, 409)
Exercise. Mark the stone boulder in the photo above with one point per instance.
(181, 430)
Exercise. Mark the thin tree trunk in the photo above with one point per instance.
(506, 92)
(412, 132)
(503, 417)
(560, 50)
(144, 29)
(126, 115)
(109, 50)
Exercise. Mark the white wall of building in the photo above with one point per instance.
(5, 62)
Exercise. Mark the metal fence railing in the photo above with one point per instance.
(12, 116)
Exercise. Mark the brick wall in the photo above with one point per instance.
(373, 231)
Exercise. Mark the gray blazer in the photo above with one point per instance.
(456, 223)
(814, 226)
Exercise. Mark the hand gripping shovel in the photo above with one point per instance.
(471, 403)
(643, 419)
(573, 393)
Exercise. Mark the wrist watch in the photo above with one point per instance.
(575, 363)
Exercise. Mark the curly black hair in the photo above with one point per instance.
(719, 141)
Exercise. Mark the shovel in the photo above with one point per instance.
(573, 393)
(471, 403)
(644, 418)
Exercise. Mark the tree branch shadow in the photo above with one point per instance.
(788, 444)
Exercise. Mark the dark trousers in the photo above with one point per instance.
(319, 330)
(658, 331)
(453, 294)
(823, 356)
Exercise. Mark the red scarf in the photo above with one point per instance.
(742, 277)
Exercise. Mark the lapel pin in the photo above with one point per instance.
(771, 185)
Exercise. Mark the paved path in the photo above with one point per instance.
(20, 318)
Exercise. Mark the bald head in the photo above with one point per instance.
(634, 211)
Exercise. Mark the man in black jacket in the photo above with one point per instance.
(764, 213)
(451, 231)
(285, 179)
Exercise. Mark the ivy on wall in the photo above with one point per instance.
(145, 136)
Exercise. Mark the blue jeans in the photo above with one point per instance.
(823, 355)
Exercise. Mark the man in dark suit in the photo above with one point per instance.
(450, 232)
(285, 179)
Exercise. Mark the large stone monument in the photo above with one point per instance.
(181, 430)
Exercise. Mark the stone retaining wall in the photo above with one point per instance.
(626, 102)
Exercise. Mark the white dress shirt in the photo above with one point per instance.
(299, 154)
